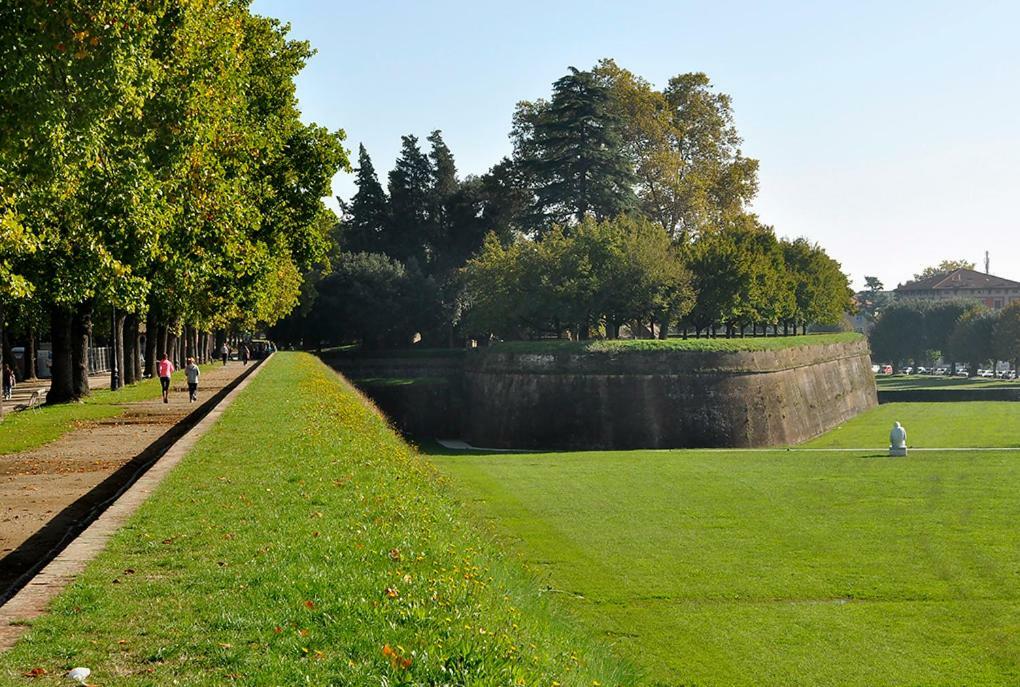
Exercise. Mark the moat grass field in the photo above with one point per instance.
(303, 542)
(780, 567)
(965, 424)
(717, 344)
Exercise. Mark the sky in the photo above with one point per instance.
(888, 132)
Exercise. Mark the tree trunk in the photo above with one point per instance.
(30, 354)
(151, 336)
(61, 376)
(130, 372)
(118, 334)
(81, 337)
(171, 346)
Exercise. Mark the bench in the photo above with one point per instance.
(34, 401)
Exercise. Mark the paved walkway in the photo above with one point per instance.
(23, 390)
(45, 492)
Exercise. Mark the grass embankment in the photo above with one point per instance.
(968, 424)
(26, 430)
(774, 568)
(914, 382)
(302, 542)
(719, 344)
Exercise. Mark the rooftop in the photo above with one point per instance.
(960, 279)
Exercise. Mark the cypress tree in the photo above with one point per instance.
(365, 230)
(410, 186)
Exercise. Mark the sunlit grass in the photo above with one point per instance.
(302, 542)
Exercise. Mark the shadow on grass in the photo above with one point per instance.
(19, 566)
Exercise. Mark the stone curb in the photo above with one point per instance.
(34, 598)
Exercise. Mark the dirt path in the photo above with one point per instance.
(46, 492)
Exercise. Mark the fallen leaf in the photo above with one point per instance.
(35, 672)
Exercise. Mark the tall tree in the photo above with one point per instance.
(685, 150)
(411, 208)
(572, 148)
(1006, 338)
(368, 213)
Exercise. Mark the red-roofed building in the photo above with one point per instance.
(994, 292)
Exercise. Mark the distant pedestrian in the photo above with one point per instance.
(165, 368)
(192, 373)
(225, 353)
(8, 381)
(244, 353)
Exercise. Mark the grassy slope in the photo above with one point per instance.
(267, 556)
(971, 424)
(616, 345)
(775, 568)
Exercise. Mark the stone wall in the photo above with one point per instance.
(654, 399)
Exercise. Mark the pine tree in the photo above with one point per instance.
(572, 147)
(410, 186)
(444, 188)
(365, 230)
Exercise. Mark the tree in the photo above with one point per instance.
(572, 149)
(370, 298)
(591, 276)
(944, 267)
(971, 340)
(411, 204)
(898, 334)
(740, 278)
(940, 320)
(1006, 337)
(684, 148)
(821, 290)
(873, 299)
(368, 214)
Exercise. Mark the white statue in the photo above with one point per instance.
(898, 441)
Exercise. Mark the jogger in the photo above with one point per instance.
(192, 372)
(165, 369)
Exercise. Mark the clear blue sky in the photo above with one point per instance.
(889, 132)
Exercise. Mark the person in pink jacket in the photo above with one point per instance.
(165, 368)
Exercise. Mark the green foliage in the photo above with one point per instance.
(1006, 338)
(971, 339)
(346, 561)
(944, 267)
(899, 333)
(593, 274)
(372, 298)
(368, 213)
(571, 146)
(685, 149)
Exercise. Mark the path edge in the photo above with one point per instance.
(34, 598)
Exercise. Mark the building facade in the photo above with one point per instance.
(989, 290)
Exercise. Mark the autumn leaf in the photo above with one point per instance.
(309, 605)
(392, 593)
(394, 554)
(35, 672)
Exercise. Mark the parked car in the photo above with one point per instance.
(886, 370)
(921, 371)
(988, 374)
(876, 368)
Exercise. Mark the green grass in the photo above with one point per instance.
(26, 430)
(772, 568)
(295, 544)
(967, 424)
(712, 345)
(912, 382)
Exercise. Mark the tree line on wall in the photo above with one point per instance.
(622, 206)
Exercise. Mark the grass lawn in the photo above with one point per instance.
(770, 343)
(302, 542)
(26, 430)
(912, 382)
(968, 424)
(781, 568)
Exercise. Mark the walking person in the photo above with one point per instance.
(192, 373)
(225, 353)
(8, 381)
(165, 368)
(244, 354)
